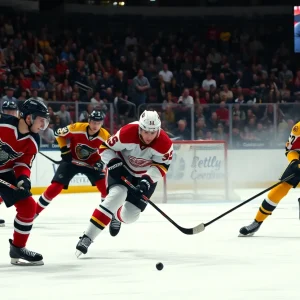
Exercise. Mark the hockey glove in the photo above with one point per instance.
(24, 187)
(23, 182)
(66, 154)
(143, 187)
(115, 168)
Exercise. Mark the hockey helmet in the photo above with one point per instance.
(150, 121)
(97, 115)
(9, 105)
(35, 108)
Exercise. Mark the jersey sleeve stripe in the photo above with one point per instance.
(162, 167)
(18, 164)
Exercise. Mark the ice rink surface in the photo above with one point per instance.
(212, 265)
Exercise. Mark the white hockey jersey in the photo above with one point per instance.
(139, 159)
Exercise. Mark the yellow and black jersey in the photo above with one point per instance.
(83, 146)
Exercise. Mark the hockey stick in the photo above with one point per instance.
(201, 227)
(299, 207)
(11, 186)
(54, 161)
(74, 161)
(83, 164)
(250, 199)
(188, 231)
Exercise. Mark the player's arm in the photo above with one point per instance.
(109, 148)
(22, 165)
(61, 135)
(160, 166)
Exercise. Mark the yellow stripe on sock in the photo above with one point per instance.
(97, 221)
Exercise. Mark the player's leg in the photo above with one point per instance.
(63, 176)
(270, 202)
(22, 226)
(2, 222)
(95, 178)
(130, 211)
(25, 206)
(102, 216)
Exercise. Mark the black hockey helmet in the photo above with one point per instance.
(35, 108)
(97, 115)
(9, 105)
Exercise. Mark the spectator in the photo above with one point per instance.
(208, 82)
(185, 98)
(182, 132)
(64, 116)
(96, 101)
(47, 136)
(141, 86)
(121, 84)
(9, 94)
(166, 74)
(37, 67)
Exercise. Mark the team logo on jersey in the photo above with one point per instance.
(84, 152)
(7, 153)
(139, 162)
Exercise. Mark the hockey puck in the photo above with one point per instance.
(159, 266)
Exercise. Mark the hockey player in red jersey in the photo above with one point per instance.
(142, 152)
(19, 144)
(85, 140)
(9, 107)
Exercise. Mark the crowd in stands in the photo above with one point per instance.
(205, 82)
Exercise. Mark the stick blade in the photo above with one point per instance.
(199, 228)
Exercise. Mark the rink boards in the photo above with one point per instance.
(246, 169)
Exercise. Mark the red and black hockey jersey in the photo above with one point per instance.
(17, 150)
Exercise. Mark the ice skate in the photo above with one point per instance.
(250, 229)
(2, 223)
(83, 245)
(24, 257)
(114, 226)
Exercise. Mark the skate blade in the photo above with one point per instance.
(25, 263)
(248, 235)
(78, 253)
(2, 225)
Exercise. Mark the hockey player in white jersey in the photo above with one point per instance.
(140, 151)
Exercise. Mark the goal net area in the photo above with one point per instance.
(198, 172)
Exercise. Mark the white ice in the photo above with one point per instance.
(212, 265)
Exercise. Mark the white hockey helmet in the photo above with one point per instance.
(150, 121)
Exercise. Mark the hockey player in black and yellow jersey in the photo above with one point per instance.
(277, 193)
(84, 140)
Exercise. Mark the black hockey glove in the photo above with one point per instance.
(23, 182)
(66, 154)
(115, 168)
(143, 187)
(24, 187)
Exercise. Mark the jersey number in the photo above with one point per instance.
(292, 139)
(168, 156)
(62, 130)
(112, 141)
